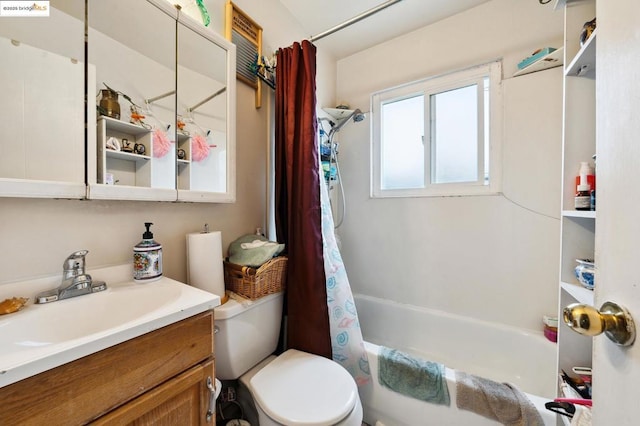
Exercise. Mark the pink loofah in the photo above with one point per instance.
(199, 148)
(161, 143)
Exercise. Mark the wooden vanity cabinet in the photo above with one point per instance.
(181, 401)
(159, 378)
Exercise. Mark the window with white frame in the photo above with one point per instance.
(438, 136)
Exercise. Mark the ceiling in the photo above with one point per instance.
(317, 16)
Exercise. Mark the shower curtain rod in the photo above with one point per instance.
(207, 99)
(157, 98)
(355, 19)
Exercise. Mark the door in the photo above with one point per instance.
(182, 401)
(617, 369)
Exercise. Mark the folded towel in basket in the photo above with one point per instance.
(501, 402)
(256, 251)
(412, 377)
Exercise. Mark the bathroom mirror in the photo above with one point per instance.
(131, 133)
(42, 103)
(205, 114)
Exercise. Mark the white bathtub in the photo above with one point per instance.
(504, 354)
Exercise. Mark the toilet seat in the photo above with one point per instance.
(298, 388)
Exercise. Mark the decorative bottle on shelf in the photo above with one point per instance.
(585, 184)
(583, 195)
(109, 105)
(147, 258)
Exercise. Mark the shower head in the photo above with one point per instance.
(356, 115)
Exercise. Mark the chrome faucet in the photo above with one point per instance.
(75, 282)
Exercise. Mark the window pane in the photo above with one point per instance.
(402, 150)
(454, 129)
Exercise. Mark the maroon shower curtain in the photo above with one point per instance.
(297, 199)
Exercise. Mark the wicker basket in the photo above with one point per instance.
(253, 283)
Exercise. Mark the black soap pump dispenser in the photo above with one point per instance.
(147, 258)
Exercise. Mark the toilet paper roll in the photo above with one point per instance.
(204, 262)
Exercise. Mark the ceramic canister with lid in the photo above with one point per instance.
(147, 258)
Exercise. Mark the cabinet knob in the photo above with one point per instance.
(612, 319)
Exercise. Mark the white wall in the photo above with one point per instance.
(36, 235)
(493, 258)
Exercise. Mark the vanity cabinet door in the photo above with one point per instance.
(183, 401)
(42, 102)
(206, 114)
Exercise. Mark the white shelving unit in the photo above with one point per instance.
(135, 176)
(128, 168)
(578, 228)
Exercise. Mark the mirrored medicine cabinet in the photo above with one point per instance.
(160, 110)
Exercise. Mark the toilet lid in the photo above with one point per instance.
(298, 389)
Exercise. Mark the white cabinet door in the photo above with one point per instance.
(42, 104)
(206, 111)
(617, 369)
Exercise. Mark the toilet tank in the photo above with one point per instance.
(246, 334)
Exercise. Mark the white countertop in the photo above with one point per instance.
(41, 337)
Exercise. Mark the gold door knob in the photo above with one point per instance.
(612, 319)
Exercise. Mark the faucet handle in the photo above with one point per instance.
(75, 261)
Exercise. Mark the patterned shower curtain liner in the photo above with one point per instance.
(346, 337)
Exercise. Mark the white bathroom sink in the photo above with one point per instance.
(41, 337)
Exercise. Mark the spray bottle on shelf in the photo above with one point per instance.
(147, 258)
(586, 169)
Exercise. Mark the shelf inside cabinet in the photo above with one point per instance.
(124, 127)
(584, 63)
(121, 155)
(589, 214)
(581, 294)
(137, 176)
(129, 168)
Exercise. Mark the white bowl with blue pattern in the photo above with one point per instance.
(585, 273)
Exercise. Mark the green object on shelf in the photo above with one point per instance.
(535, 57)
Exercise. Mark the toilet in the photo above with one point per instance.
(293, 389)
